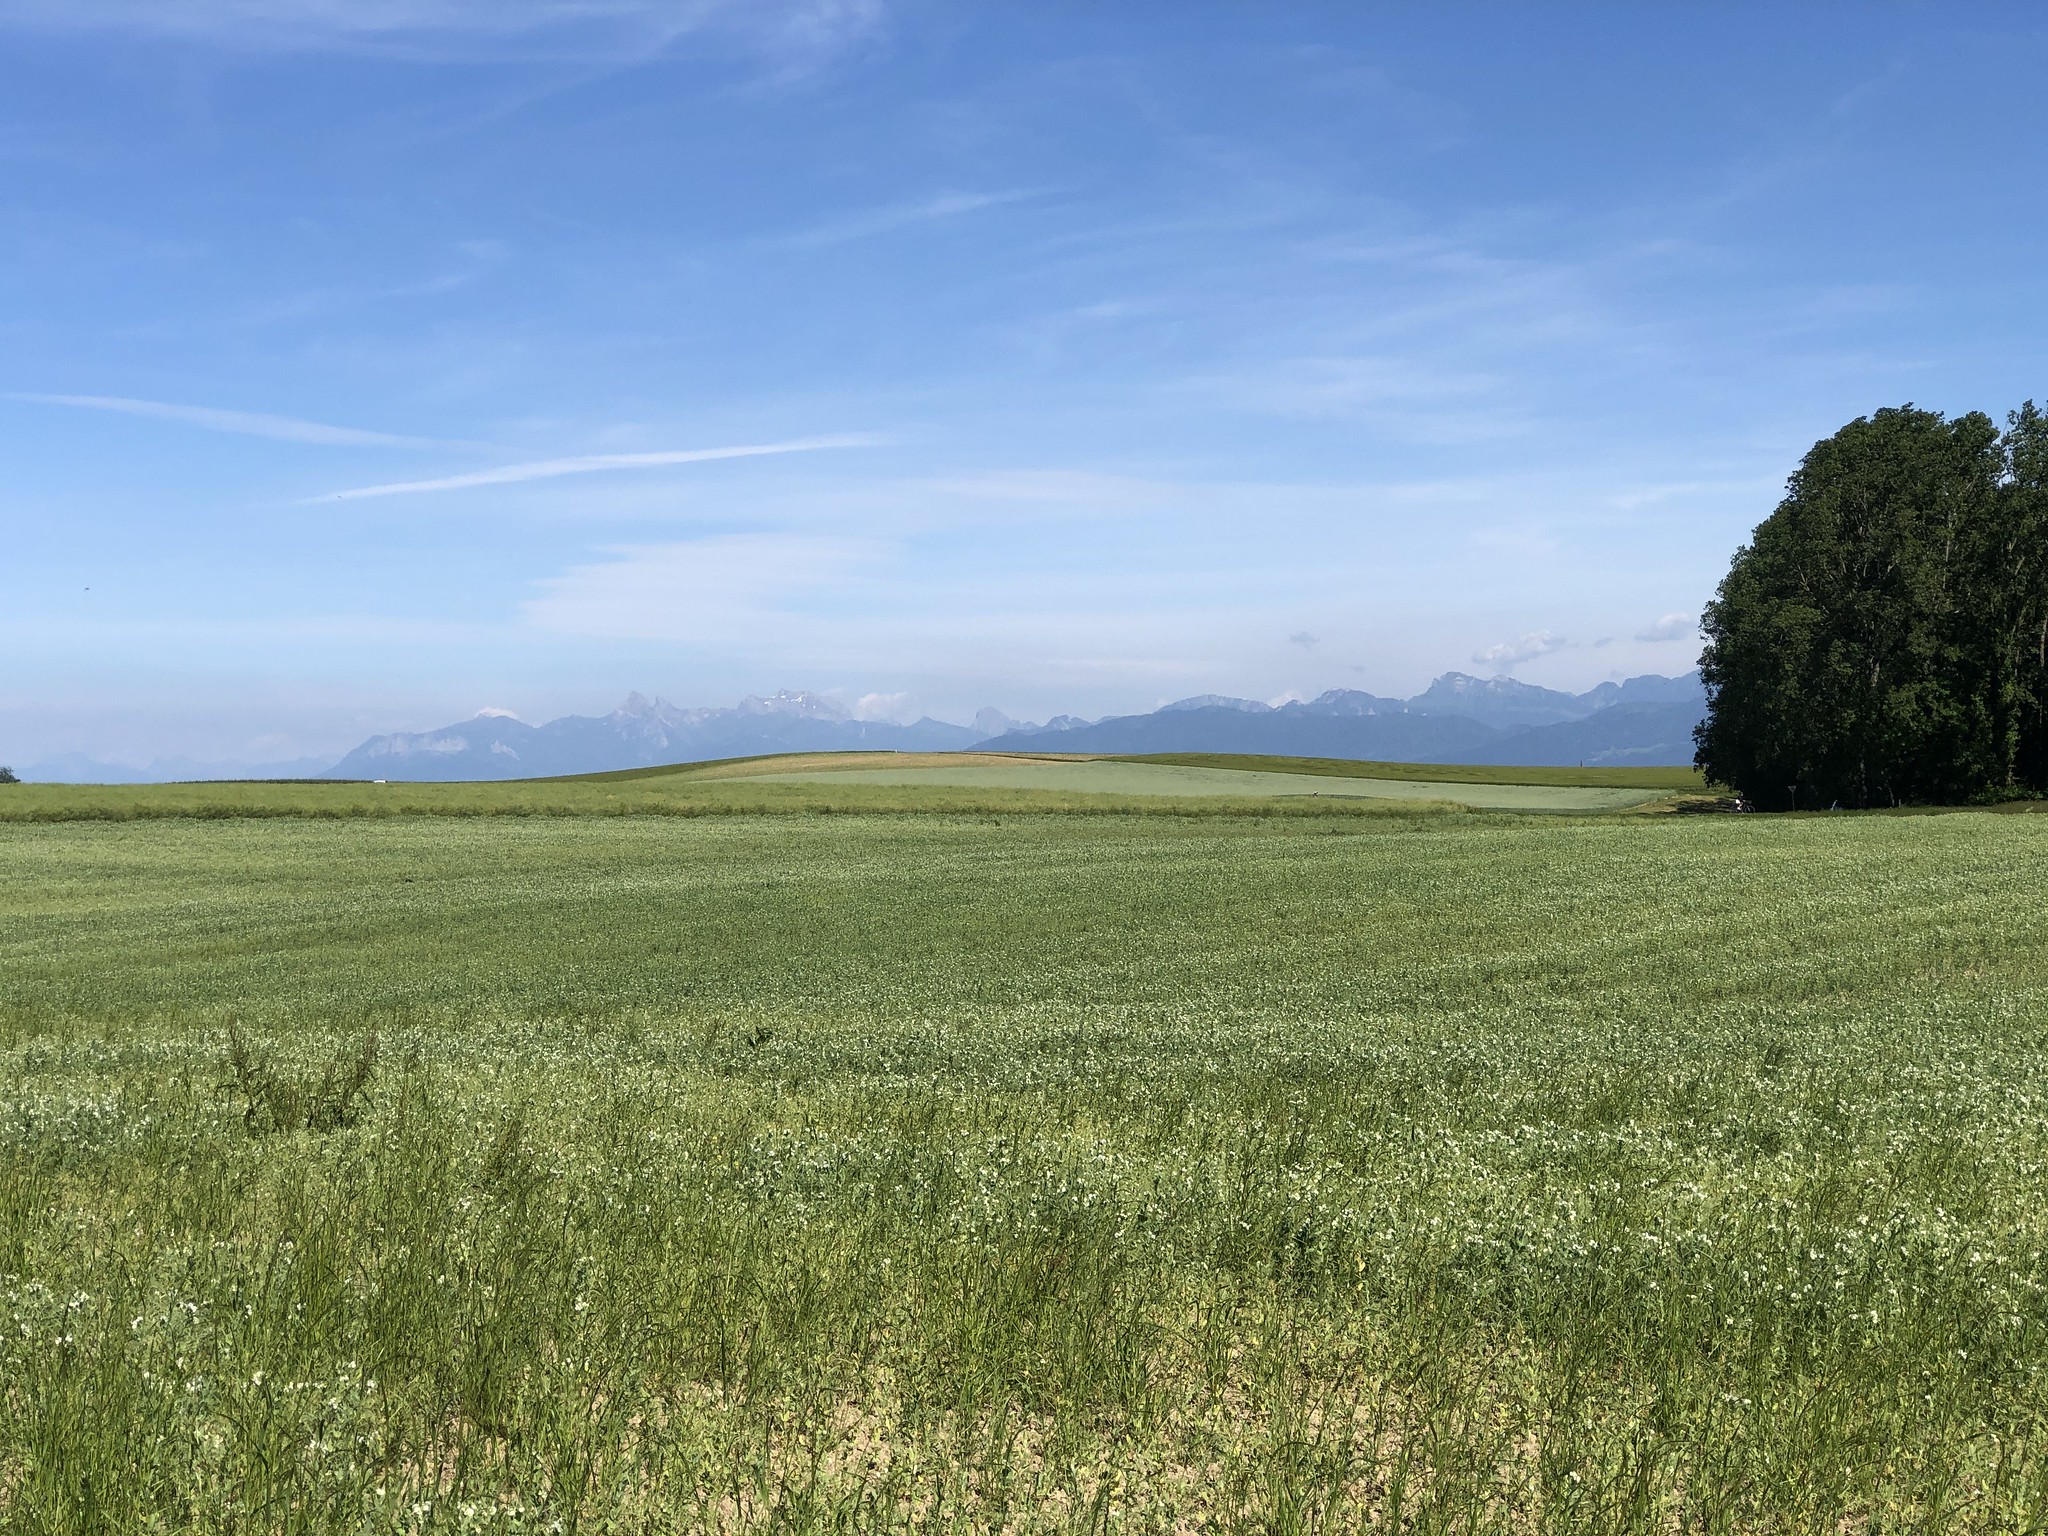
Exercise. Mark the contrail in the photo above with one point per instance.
(548, 469)
(286, 429)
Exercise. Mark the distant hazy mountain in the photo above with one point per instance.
(1292, 730)
(1649, 690)
(1498, 701)
(1646, 721)
(1216, 701)
(993, 722)
(640, 733)
(1619, 736)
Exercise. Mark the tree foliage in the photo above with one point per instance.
(1883, 638)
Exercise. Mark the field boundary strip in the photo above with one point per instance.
(1676, 779)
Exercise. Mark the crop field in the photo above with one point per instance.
(1117, 777)
(1380, 1168)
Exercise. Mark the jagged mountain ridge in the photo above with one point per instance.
(1643, 722)
(1290, 731)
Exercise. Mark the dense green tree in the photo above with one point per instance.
(7, 776)
(2014, 575)
(1883, 638)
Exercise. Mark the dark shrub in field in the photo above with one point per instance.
(276, 1100)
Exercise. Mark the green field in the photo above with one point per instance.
(1371, 1169)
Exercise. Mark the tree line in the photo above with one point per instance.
(1883, 637)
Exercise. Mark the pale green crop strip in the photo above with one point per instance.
(847, 1173)
(1105, 777)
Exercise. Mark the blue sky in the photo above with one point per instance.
(370, 362)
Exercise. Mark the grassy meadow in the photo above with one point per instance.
(1376, 1168)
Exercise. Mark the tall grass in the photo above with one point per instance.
(862, 1173)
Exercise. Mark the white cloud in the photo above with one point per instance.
(590, 463)
(731, 590)
(1672, 626)
(1512, 653)
(898, 708)
(286, 429)
(1304, 639)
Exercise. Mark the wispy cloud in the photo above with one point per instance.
(1673, 626)
(730, 590)
(267, 19)
(900, 708)
(1412, 395)
(591, 463)
(880, 221)
(1512, 653)
(584, 29)
(284, 429)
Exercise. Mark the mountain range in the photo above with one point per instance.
(1645, 721)
(1457, 719)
